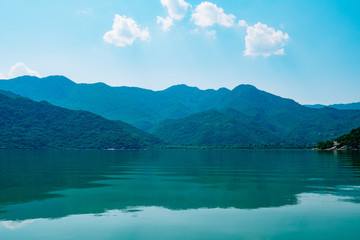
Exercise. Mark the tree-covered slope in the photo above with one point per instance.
(287, 119)
(351, 139)
(283, 118)
(28, 124)
(214, 128)
(145, 109)
(231, 127)
(322, 124)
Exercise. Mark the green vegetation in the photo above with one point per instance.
(214, 128)
(262, 127)
(325, 145)
(188, 115)
(351, 139)
(347, 141)
(28, 124)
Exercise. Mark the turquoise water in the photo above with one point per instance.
(179, 194)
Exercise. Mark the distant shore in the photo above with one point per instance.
(337, 148)
(185, 147)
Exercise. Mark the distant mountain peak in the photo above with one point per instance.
(58, 78)
(145, 109)
(181, 87)
(52, 78)
(223, 89)
(184, 87)
(245, 87)
(24, 77)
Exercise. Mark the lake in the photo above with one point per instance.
(179, 194)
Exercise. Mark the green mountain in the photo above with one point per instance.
(28, 124)
(214, 128)
(257, 110)
(231, 127)
(283, 118)
(139, 107)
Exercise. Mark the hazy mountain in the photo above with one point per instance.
(355, 106)
(10, 94)
(193, 98)
(317, 106)
(139, 107)
(29, 124)
(345, 106)
(280, 118)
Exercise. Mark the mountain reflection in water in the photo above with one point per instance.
(55, 184)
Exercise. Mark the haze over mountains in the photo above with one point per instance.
(188, 115)
(348, 106)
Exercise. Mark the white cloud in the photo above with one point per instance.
(243, 23)
(2, 76)
(195, 31)
(264, 40)
(166, 22)
(86, 11)
(125, 31)
(207, 14)
(20, 69)
(176, 8)
(211, 33)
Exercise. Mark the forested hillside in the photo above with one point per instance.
(260, 112)
(28, 124)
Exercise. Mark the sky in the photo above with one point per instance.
(305, 50)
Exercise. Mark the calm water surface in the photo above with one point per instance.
(179, 194)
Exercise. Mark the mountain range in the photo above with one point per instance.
(187, 115)
(29, 124)
(347, 106)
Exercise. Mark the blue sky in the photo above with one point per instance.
(301, 49)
